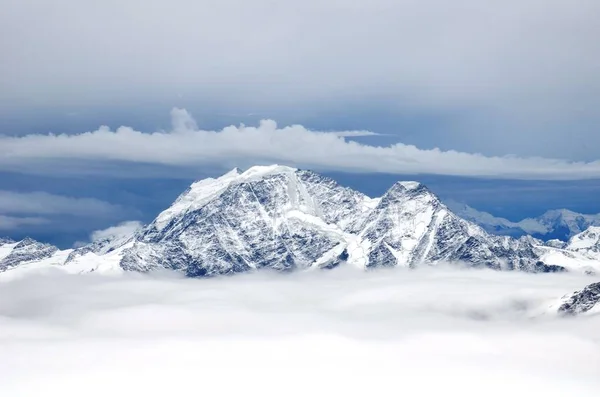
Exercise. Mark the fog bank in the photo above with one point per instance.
(426, 332)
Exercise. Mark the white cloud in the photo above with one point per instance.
(15, 222)
(43, 203)
(424, 332)
(186, 146)
(350, 134)
(121, 230)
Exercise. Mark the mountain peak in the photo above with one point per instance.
(261, 171)
(410, 185)
(204, 190)
(408, 188)
(234, 172)
(26, 250)
(26, 241)
(6, 240)
(560, 213)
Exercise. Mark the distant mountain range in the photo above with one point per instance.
(286, 219)
(554, 224)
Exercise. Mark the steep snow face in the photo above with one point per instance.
(396, 228)
(266, 217)
(335, 204)
(410, 227)
(198, 194)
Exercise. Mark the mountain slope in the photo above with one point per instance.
(285, 219)
(13, 254)
(267, 217)
(415, 228)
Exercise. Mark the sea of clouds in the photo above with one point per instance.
(426, 332)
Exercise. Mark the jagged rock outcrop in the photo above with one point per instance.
(581, 301)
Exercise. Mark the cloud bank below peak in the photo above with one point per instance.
(188, 146)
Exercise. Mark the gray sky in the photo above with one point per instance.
(517, 76)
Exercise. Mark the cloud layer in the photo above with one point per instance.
(17, 222)
(43, 203)
(31, 212)
(520, 76)
(428, 49)
(420, 332)
(188, 146)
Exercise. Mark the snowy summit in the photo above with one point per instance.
(283, 218)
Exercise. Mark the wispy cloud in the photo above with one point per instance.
(351, 134)
(44, 203)
(16, 222)
(188, 146)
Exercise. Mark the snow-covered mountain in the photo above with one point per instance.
(554, 224)
(284, 219)
(15, 253)
(107, 240)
